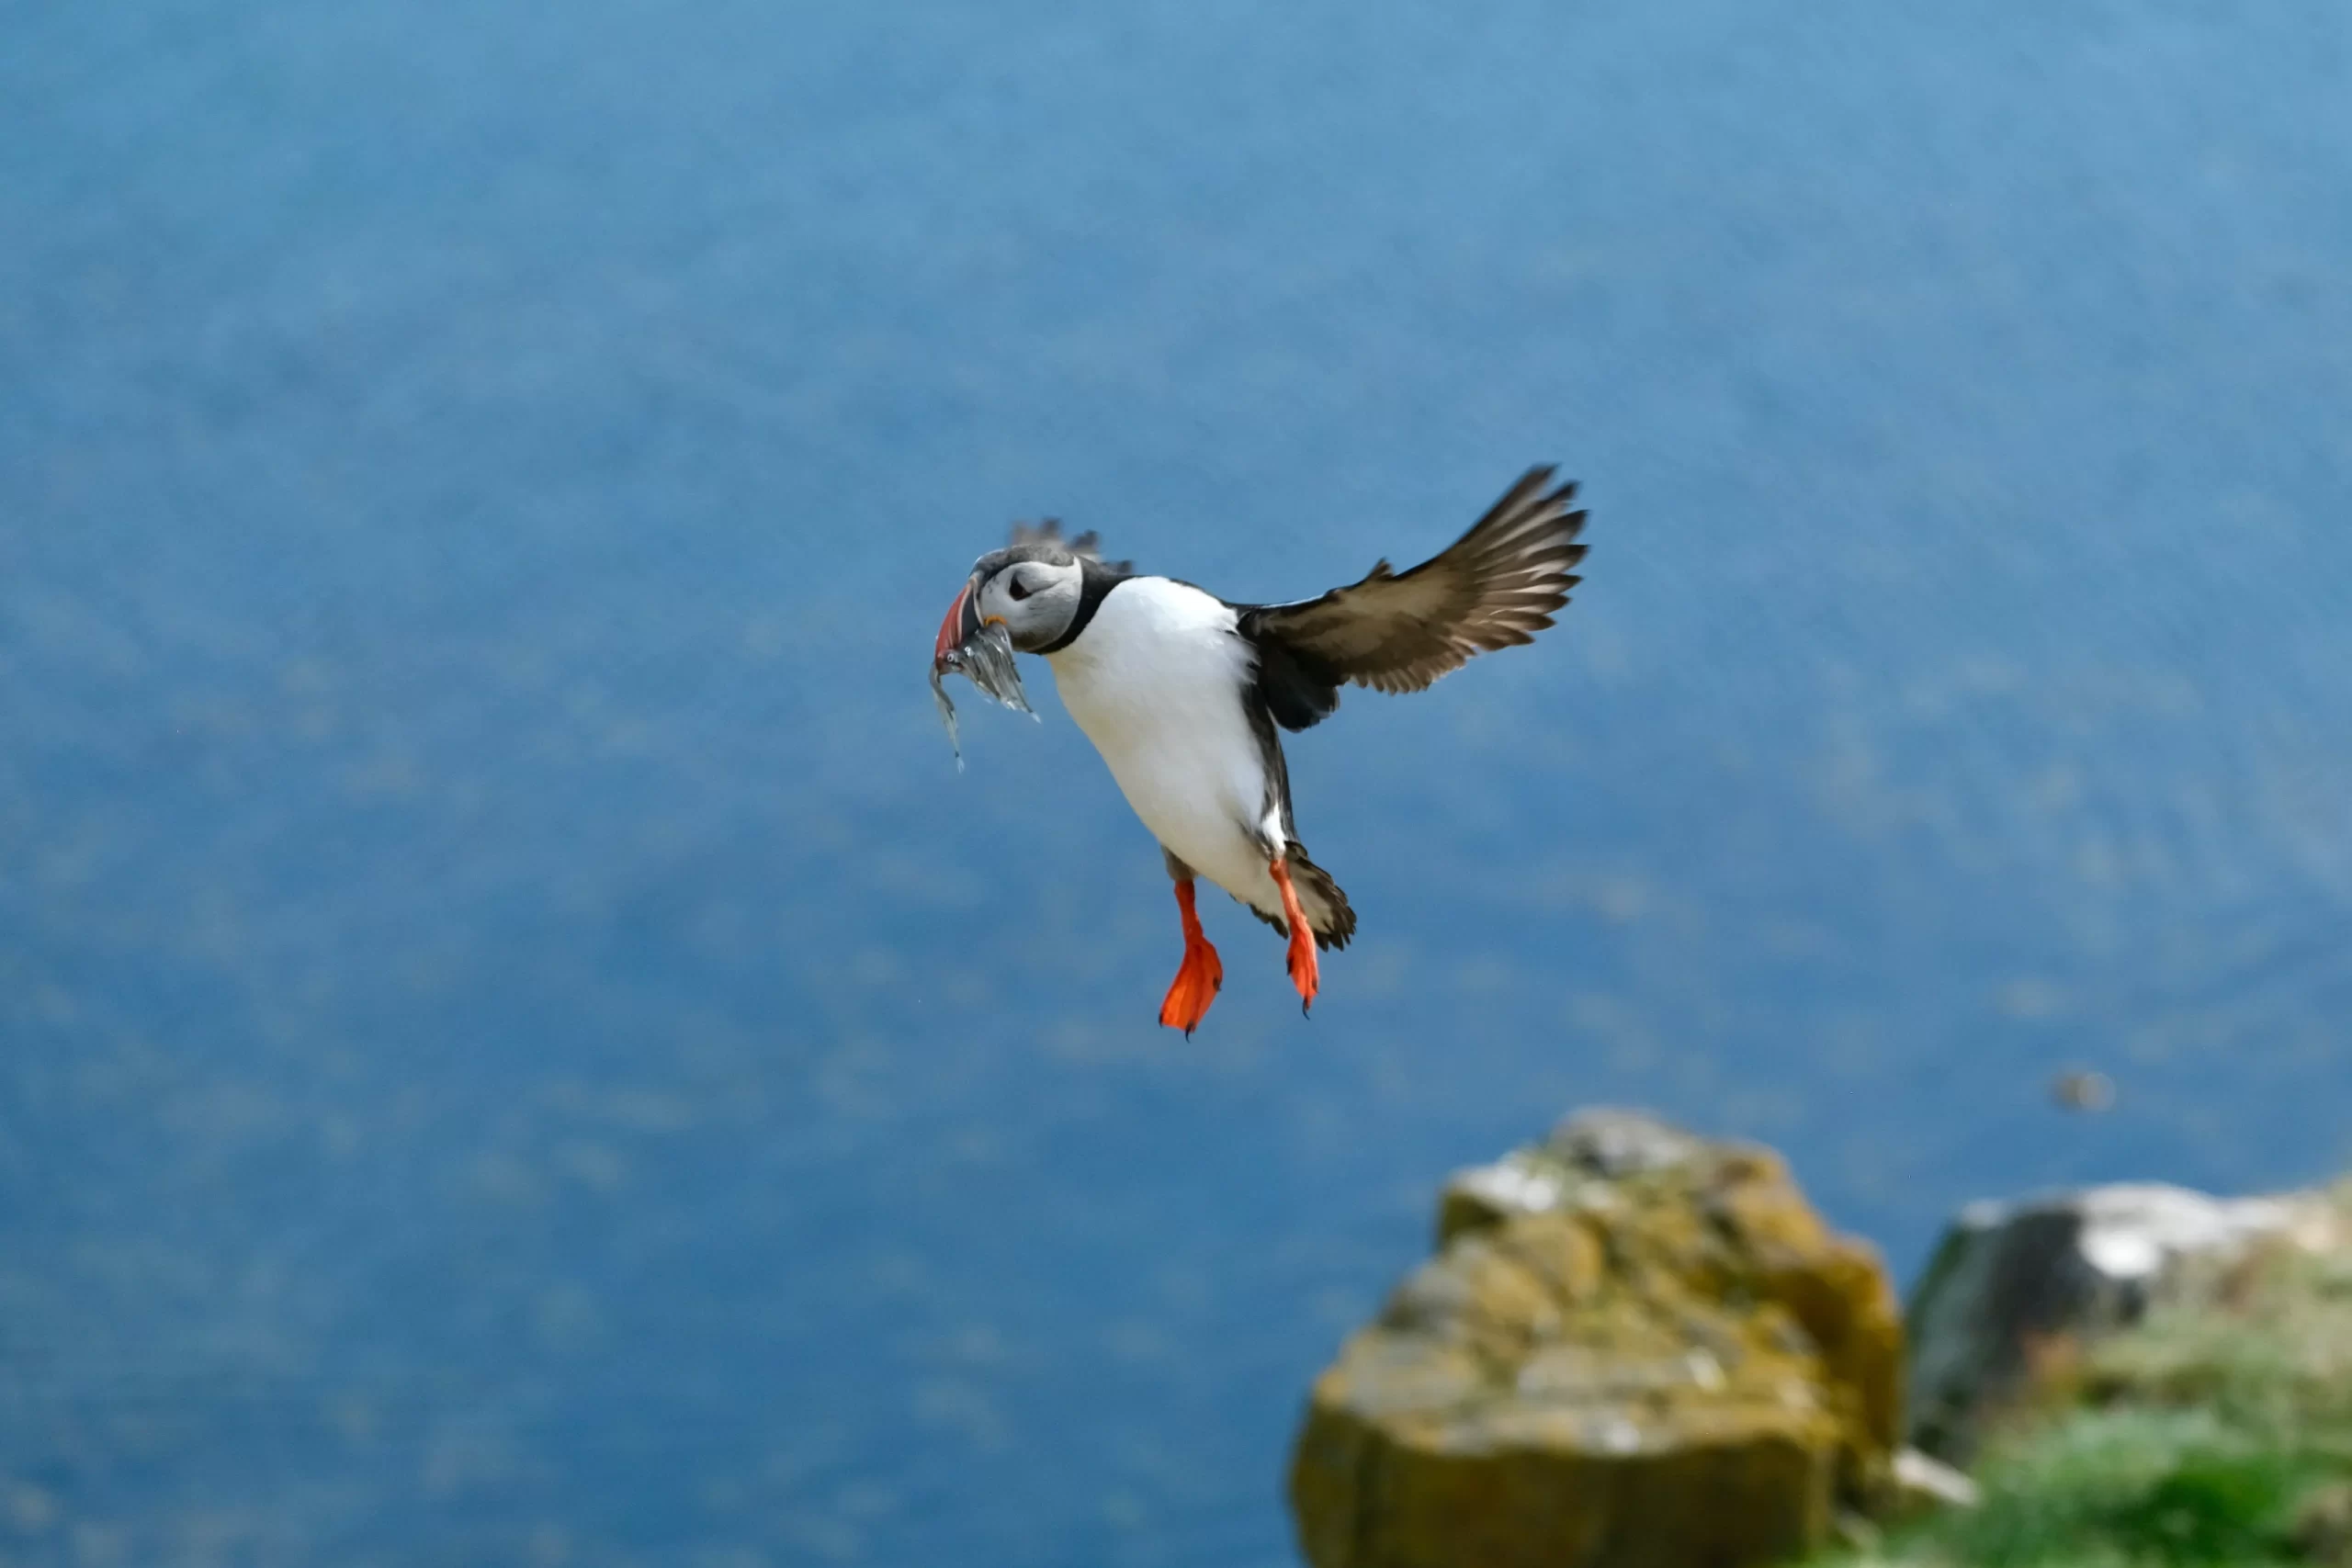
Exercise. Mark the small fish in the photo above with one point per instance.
(985, 658)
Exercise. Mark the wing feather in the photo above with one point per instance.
(1045, 538)
(1495, 587)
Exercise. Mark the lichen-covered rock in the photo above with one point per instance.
(2016, 1290)
(1633, 1346)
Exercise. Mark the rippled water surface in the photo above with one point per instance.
(520, 1047)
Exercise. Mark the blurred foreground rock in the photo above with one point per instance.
(2015, 1291)
(1633, 1346)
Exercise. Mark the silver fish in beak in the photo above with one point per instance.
(982, 654)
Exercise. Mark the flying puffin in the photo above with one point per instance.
(1183, 694)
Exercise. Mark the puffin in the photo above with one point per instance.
(1185, 694)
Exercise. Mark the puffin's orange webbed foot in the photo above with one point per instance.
(1199, 978)
(1305, 973)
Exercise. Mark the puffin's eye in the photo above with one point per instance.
(1016, 589)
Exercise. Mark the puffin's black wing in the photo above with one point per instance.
(1495, 586)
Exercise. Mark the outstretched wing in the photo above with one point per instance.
(1496, 585)
(1041, 540)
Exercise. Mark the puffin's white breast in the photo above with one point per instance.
(1156, 682)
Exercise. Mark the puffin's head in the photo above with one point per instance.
(1031, 588)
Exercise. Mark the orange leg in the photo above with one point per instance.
(1201, 976)
(1304, 972)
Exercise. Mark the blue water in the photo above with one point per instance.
(521, 1049)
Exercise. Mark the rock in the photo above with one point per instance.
(2016, 1290)
(1925, 1485)
(2321, 1530)
(1633, 1346)
(1604, 1142)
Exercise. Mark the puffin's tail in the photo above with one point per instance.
(1328, 914)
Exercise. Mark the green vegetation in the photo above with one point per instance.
(2128, 1486)
(2217, 1433)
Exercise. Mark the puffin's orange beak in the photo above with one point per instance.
(959, 625)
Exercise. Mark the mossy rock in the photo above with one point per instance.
(2213, 1431)
(1633, 1346)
